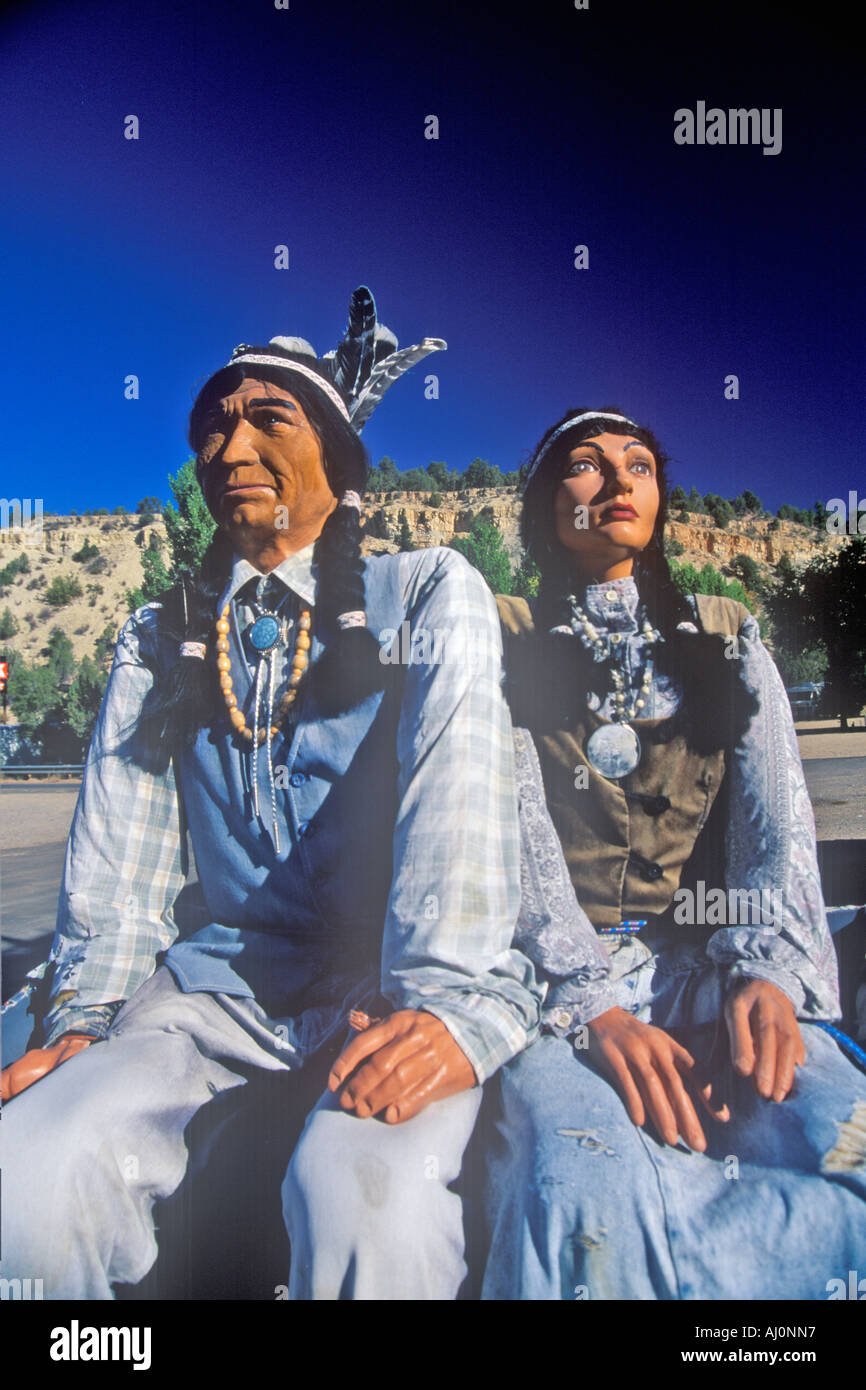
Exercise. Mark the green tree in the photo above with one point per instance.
(105, 643)
(484, 548)
(678, 499)
(8, 624)
(696, 502)
(189, 525)
(527, 578)
(435, 499)
(414, 480)
(156, 580)
(59, 655)
(404, 537)
(752, 501)
(62, 590)
(719, 509)
(85, 697)
(149, 504)
(384, 476)
(33, 695)
(446, 479)
(9, 573)
(748, 571)
(88, 551)
(708, 581)
(802, 515)
(823, 608)
(480, 473)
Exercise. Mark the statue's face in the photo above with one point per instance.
(607, 503)
(260, 462)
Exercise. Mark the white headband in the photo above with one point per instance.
(262, 359)
(575, 420)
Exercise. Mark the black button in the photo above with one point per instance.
(651, 872)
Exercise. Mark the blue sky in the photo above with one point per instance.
(305, 126)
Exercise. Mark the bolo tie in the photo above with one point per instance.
(267, 635)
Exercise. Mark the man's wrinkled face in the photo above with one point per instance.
(260, 461)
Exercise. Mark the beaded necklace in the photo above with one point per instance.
(300, 661)
(266, 635)
(613, 750)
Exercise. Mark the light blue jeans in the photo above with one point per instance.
(87, 1150)
(580, 1203)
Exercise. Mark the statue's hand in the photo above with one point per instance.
(400, 1065)
(39, 1061)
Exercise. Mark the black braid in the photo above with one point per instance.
(716, 706)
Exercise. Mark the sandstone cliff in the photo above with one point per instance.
(118, 566)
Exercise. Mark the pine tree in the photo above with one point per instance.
(484, 548)
(404, 538)
(190, 526)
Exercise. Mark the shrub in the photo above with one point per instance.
(87, 552)
(62, 590)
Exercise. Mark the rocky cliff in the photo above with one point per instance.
(104, 578)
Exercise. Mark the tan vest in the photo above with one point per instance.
(624, 861)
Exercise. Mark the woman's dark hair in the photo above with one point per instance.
(349, 669)
(716, 706)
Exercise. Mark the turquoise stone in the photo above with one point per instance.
(264, 633)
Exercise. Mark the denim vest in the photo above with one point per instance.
(295, 929)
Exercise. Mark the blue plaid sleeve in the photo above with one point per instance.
(123, 868)
(455, 894)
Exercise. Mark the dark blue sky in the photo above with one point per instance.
(306, 127)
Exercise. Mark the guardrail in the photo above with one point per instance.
(42, 770)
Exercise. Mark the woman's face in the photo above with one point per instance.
(606, 506)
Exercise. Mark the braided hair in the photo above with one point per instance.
(348, 670)
(716, 706)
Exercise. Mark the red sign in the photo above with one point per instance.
(4, 670)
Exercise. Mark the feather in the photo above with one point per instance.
(298, 345)
(353, 359)
(385, 373)
(385, 344)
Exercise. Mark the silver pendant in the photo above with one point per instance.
(613, 750)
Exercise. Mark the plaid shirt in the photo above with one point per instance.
(456, 838)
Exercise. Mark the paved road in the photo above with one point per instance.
(837, 787)
(35, 819)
